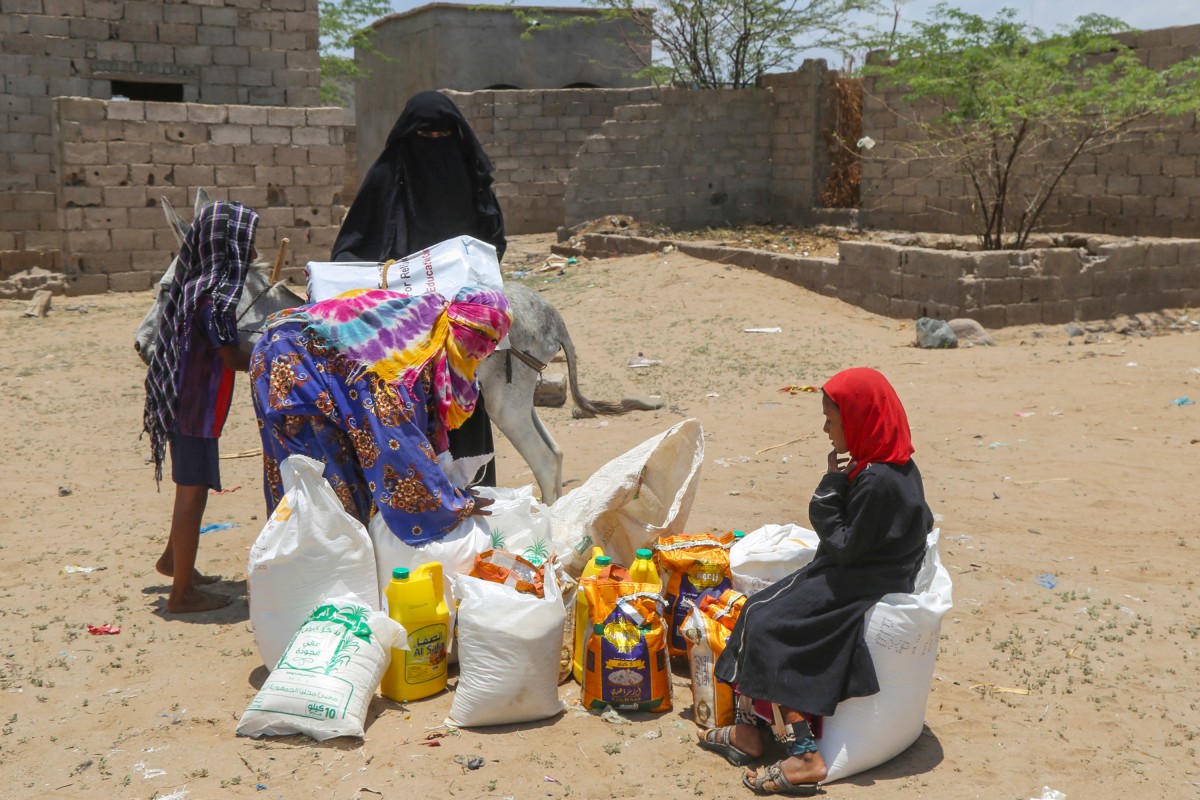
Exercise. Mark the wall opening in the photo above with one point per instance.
(152, 92)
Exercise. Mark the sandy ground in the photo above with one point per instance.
(1063, 474)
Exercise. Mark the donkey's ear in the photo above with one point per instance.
(202, 199)
(176, 223)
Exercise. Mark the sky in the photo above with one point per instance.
(1044, 14)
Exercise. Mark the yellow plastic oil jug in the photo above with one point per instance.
(416, 601)
(582, 621)
(643, 569)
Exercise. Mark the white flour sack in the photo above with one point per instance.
(509, 645)
(328, 674)
(455, 551)
(770, 554)
(307, 546)
(902, 634)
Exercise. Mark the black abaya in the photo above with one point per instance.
(799, 642)
(421, 191)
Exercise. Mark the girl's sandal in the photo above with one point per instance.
(771, 780)
(717, 740)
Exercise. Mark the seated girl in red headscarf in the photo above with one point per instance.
(798, 649)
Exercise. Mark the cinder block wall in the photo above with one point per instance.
(117, 158)
(256, 52)
(697, 158)
(799, 162)
(998, 289)
(1003, 288)
(1149, 186)
(532, 138)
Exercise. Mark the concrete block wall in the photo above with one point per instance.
(117, 158)
(1040, 285)
(694, 159)
(799, 163)
(469, 48)
(257, 52)
(1148, 185)
(997, 289)
(532, 138)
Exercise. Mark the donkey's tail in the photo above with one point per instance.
(585, 408)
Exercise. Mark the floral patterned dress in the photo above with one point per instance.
(374, 437)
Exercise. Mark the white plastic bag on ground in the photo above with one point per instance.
(307, 546)
(632, 500)
(508, 653)
(902, 635)
(520, 524)
(455, 551)
(328, 674)
(770, 554)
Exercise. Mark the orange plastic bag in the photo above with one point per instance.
(501, 566)
(625, 652)
(691, 564)
(706, 631)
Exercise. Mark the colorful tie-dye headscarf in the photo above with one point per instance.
(395, 336)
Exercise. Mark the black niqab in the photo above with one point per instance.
(423, 190)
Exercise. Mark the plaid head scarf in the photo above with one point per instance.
(212, 263)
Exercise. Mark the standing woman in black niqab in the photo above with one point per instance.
(432, 182)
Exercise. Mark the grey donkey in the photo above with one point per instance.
(507, 378)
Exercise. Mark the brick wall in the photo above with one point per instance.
(1095, 281)
(116, 159)
(697, 158)
(532, 137)
(1148, 186)
(257, 52)
(799, 162)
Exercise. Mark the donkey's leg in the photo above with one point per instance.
(510, 405)
(544, 458)
(555, 489)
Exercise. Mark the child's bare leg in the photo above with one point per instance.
(183, 543)
(804, 764)
(166, 566)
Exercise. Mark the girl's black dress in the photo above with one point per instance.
(799, 642)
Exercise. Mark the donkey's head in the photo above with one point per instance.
(259, 298)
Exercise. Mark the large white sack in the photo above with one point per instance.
(519, 523)
(770, 554)
(307, 546)
(328, 674)
(509, 645)
(444, 268)
(455, 551)
(632, 500)
(902, 635)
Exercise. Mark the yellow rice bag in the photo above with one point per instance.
(691, 564)
(706, 629)
(625, 661)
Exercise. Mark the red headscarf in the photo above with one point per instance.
(873, 418)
